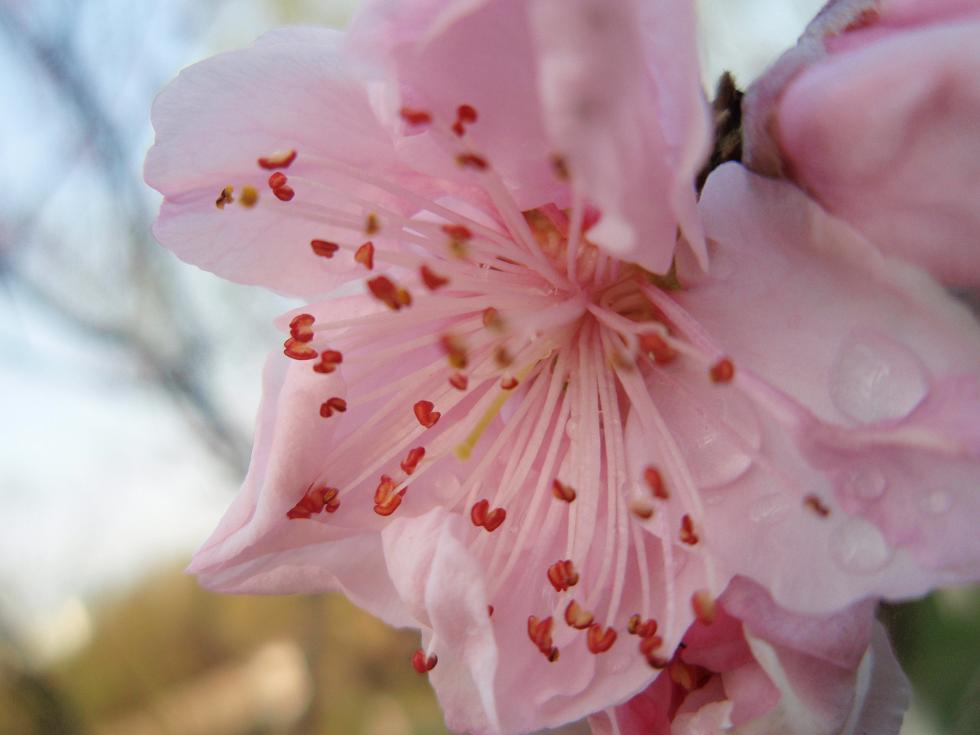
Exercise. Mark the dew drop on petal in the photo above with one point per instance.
(859, 547)
(863, 483)
(875, 378)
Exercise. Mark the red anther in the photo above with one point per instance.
(640, 509)
(284, 193)
(539, 631)
(649, 644)
(424, 413)
(816, 505)
(412, 460)
(301, 327)
(494, 518)
(459, 381)
(723, 371)
(653, 343)
(508, 383)
(329, 360)
(562, 491)
(386, 500)
(640, 627)
(332, 404)
(297, 350)
(502, 357)
(431, 279)
(457, 232)
(415, 117)
(599, 640)
(688, 535)
(559, 164)
(422, 664)
(455, 350)
(249, 197)
(384, 290)
(466, 114)
(492, 320)
(577, 616)
(314, 500)
(703, 605)
(365, 255)
(472, 160)
(324, 248)
(371, 224)
(655, 482)
(490, 611)
(277, 179)
(279, 159)
(458, 129)
(224, 197)
(562, 575)
(478, 513)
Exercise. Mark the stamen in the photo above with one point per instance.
(472, 160)
(298, 350)
(648, 647)
(641, 509)
(284, 193)
(425, 414)
(455, 350)
(383, 289)
(687, 535)
(414, 116)
(423, 664)
(562, 491)
(458, 381)
(301, 327)
(412, 460)
(539, 631)
(560, 166)
(599, 640)
(815, 504)
(386, 500)
(224, 197)
(324, 248)
(465, 115)
(329, 360)
(279, 159)
(432, 280)
(332, 404)
(482, 516)
(365, 255)
(704, 606)
(642, 628)
(372, 225)
(655, 482)
(577, 617)
(723, 371)
(316, 499)
(508, 383)
(492, 319)
(277, 179)
(249, 197)
(502, 357)
(562, 575)
(655, 344)
(458, 232)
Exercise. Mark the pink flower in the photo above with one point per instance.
(760, 669)
(875, 113)
(517, 438)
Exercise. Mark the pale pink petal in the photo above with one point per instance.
(290, 91)
(622, 102)
(876, 351)
(890, 151)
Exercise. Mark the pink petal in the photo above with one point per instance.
(621, 100)
(876, 351)
(291, 90)
(891, 152)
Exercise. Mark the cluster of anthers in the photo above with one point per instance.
(484, 308)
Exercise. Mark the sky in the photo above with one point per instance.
(101, 476)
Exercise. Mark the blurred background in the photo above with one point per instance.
(128, 384)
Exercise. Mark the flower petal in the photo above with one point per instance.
(856, 370)
(892, 153)
(290, 91)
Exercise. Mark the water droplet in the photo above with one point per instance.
(769, 509)
(859, 547)
(865, 483)
(876, 378)
(938, 502)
